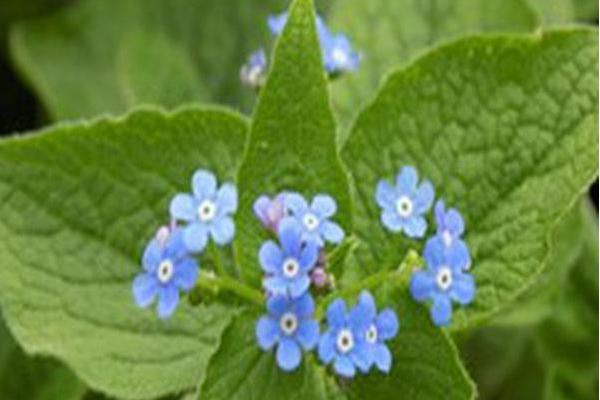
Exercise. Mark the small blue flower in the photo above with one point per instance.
(253, 73)
(168, 268)
(450, 227)
(208, 211)
(338, 55)
(316, 226)
(291, 326)
(270, 212)
(383, 326)
(443, 281)
(404, 205)
(288, 266)
(344, 342)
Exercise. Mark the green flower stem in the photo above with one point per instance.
(216, 258)
(214, 283)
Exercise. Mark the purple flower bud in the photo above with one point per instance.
(319, 278)
(270, 212)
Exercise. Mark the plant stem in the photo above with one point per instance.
(223, 282)
(216, 258)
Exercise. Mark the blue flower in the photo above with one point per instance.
(288, 266)
(208, 211)
(291, 326)
(253, 72)
(270, 212)
(338, 55)
(344, 342)
(444, 280)
(168, 268)
(450, 227)
(404, 205)
(383, 326)
(316, 226)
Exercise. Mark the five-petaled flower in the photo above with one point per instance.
(291, 326)
(288, 267)
(207, 211)
(443, 281)
(270, 212)
(383, 326)
(314, 219)
(168, 268)
(403, 206)
(450, 227)
(344, 342)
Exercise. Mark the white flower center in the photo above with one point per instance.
(404, 206)
(371, 335)
(310, 221)
(290, 267)
(339, 56)
(447, 238)
(288, 323)
(345, 341)
(444, 278)
(207, 210)
(165, 271)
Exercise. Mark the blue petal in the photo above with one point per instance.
(332, 232)
(308, 257)
(406, 181)
(463, 288)
(308, 334)
(276, 23)
(385, 195)
(195, 237)
(204, 184)
(186, 274)
(434, 253)
(441, 310)
(344, 366)
(361, 356)
(144, 289)
(313, 237)
(303, 306)
(454, 223)
(424, 197)
(323, 206)
(270, 257)
(277, 305)
(267, 332)
(222, 230)
(336, 314)
(296, 204)
(382, 357)
(175, 247)
(182, 207)
(458, 256)
(152, 256)
(415, 227)
(368, 304)
(327, 347)
(299, 286)
(261, 207)
(387, 324)
(168, 297)
(422, 285)
(440, 215)
(359, 320)
(290, 236)
(276, 285)
(391, 220)
(227, 199)
(288, 354)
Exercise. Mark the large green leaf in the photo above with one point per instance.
(389, 32)
(79, 203)
(73, 59)
(292, 138)
(506, 129)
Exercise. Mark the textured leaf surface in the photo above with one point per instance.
(292, 137)
(506, 129)
(405, 28)
(78, 204)
(72, 58)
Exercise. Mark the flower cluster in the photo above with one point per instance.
(447, 256)
(168, 263)
(337, 52)
(352, 341)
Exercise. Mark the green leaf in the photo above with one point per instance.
(506, 129)
(555, 11)
(72, 59)
(79, 203)
(292, 137)
(406, 28)
(22, 377)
